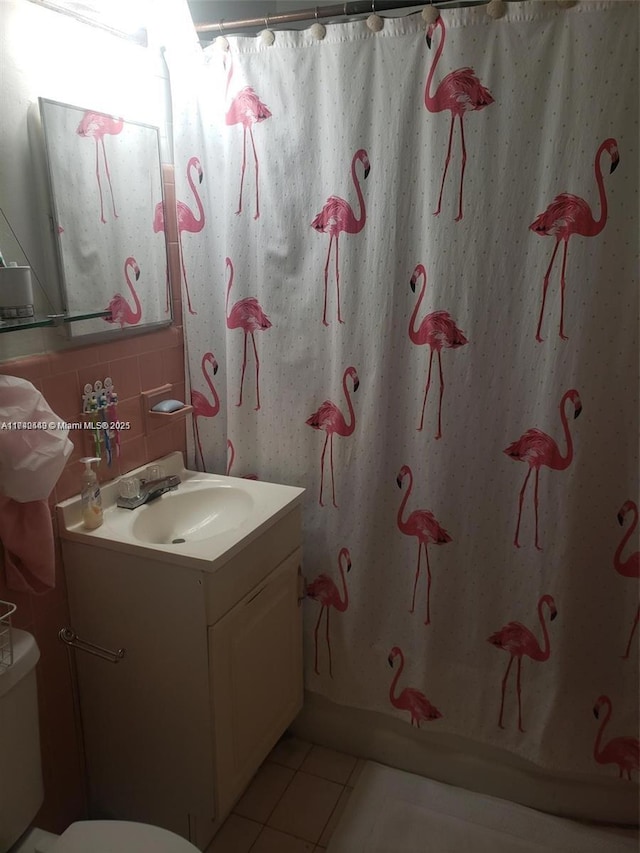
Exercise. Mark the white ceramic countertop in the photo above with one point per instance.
(270, 502)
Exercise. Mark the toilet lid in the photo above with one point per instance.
(120, 836)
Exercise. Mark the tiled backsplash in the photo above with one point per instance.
(135, 364)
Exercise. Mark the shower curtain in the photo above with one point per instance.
(410, 286)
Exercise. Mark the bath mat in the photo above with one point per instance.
(391, 811)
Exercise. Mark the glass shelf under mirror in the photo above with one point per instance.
(40, 321)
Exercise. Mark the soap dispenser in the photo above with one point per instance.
(90, 495)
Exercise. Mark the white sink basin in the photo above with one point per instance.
(194, 511)
(201, 524)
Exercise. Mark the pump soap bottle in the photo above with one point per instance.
(90, 495)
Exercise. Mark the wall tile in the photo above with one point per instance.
(68, 360)
(166, 338)
(133, 454)
(170, 225)
(173, 365)
(130, 412)
(126, 377)
(151, 375)
(161, 442)
(175, 268)
(125, 347)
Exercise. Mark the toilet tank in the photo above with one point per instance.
(21, 790)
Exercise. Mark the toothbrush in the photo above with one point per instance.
(93, 409)
(113, 417)
(103, 407)
(102, 404)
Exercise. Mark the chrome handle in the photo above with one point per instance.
(70, 638)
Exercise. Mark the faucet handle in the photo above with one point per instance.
(130, 487)
(154, 472)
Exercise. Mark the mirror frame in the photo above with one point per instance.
(87, 246)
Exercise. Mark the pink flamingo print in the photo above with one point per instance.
(97, 125)
(623, 751)
(202, 407)
(460, 92)
(330, 419)
(121, 311)
(422, 524)
(569, 214)
(536, 448)
(247, 315)
(437, 330)
(518, 640)
(324, 590)
(231, 455)
(187, 220)
(410, 699)
(246, 109)
(336, 216)
(629, 568)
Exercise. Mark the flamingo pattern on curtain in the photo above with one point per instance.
(422, 336)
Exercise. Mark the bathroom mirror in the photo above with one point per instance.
(107, 217)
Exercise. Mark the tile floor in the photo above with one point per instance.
(293, 803)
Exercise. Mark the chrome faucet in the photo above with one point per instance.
(149, 491)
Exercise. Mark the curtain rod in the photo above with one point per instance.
(355, 7)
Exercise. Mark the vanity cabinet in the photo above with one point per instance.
(211, 677)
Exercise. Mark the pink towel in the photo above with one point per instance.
(26, 533)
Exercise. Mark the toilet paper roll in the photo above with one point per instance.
(16, 293)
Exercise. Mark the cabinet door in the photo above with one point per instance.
(255, 655)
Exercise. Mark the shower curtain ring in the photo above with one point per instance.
(221, 27)
(318, 30)
(268, 36)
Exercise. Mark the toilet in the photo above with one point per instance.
(21, 791)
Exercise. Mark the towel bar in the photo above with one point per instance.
(70, 638)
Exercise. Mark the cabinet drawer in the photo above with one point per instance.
(224, 587)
